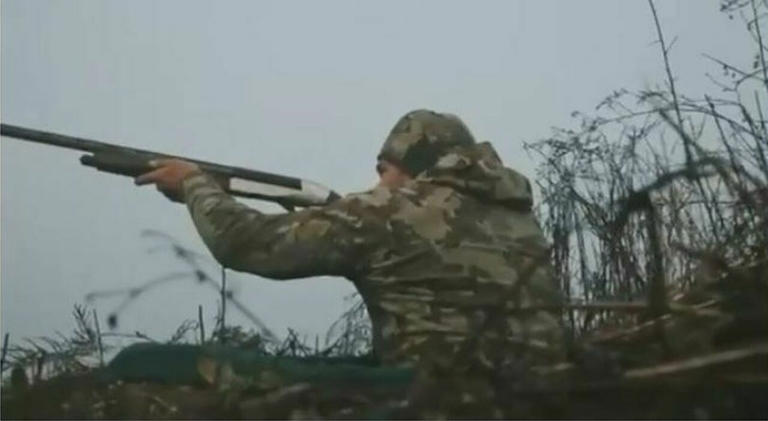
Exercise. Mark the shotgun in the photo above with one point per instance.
(288, 192)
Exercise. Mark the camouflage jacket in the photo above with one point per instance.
(453, 259)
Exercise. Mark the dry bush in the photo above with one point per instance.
(659, 188)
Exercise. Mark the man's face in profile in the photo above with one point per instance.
(390, 175)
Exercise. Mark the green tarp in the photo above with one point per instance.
(193, 364)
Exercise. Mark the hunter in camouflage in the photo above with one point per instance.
(449, 258)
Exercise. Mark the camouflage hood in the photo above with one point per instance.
(439, 148)
(421, 137)
(477, 170)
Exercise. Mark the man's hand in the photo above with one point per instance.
(168, 176)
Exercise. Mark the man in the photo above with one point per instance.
(445, 251)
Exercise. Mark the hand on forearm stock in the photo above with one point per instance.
(168, 176)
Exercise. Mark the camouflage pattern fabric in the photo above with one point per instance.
(421, 137)
(451, 265)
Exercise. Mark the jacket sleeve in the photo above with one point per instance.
(330, 240)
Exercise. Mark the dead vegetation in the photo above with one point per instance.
(656, 207)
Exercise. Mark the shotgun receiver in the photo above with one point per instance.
(289, 192)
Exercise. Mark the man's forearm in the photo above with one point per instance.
(218, 217)
(310, 242)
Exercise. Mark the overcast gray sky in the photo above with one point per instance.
(301, 88)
